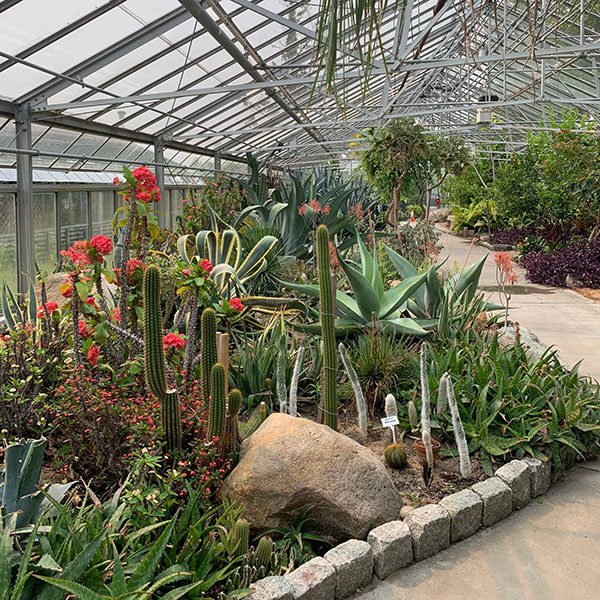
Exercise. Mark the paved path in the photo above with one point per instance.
(549, 550)
(558, 317)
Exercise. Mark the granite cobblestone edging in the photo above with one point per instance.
(349, 567)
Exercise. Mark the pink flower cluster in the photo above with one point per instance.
(236, 304)
(504, 265)
(314, 206)
(172, 340)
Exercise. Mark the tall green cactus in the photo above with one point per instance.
(329, 402)
(208, 348)
(241, 537)
(216, 404)
(233, 426)
(154, 359)
(264, 551)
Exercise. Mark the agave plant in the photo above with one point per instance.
(12, 312)
(224, 251)
(369, 300)
(289, 210)
(455, 300)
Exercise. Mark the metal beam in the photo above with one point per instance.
(108, 55)
(201, 15)
(159, 159)
(25, 237)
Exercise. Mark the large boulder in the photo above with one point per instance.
(289, 464)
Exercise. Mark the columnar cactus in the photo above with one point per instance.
(426, 417)
(391, 410)
(459, 431)
(442, 401)
(208, 342)
(361, 405)
(216, 404)
(241, 537)
(281, 379)
(262, 411)
(264, 551)
(329, 402)
(412, 415)
(293, 403)
(154, 360)
(233, 427)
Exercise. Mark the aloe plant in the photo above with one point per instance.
(13, 314)
(369, 298)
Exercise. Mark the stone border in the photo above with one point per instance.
(349, 567)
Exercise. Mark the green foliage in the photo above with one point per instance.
(356, 312)
(20, 492)
(208, 343)
(216, 404)
(13, 315)
(382, 364)
(512, 406)
(223, 250)
(329, 401)
(154, 360)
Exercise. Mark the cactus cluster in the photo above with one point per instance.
(329, 402)
(154, 360)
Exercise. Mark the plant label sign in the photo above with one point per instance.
(391, 422)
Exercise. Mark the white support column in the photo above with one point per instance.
(25, 234)
(159, 158)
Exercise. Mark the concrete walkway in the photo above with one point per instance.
(558, 317)
(549, 550)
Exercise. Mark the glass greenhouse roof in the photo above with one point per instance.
(103, 81)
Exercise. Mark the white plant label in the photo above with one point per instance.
(391, 422)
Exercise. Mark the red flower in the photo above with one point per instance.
(83, 330)
(116, 315)
(174, 341)
(206, 266)
(302, 209)
(134, 264)
(145, 177)
(78, 254)
(92, 302)
(314, 204)
(325, 210)
(186, 272)
(236, 304)
(93, 354)
(68, 291)
(116, 181)
(102, 244)
(49, 306)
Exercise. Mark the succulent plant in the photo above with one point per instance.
(412, 415)
(241, 537)
(208, 342)
(459, 431)
(293, 397)
(361, 404)
(329, 402)
(216, 404)
(395, 455)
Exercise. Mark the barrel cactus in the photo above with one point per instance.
(395, 455)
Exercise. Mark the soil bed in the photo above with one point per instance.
(409, 480)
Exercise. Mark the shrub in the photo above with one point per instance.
(581, 262)
(512, 236)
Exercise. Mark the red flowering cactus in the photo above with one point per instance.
(101, 244)
(236, 304)
(93, 354)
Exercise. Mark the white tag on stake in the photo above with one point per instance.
(391, 422)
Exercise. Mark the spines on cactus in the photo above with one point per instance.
(216, 404)
(361, 405)
(426, 417)
(264, 551)
(413, 419)
(172, 420)
(329, 402)
(391, 410)
(241, 537)
(395, 455)
(208, 347)
(442, 401)
(154, 359)
(459, 431)
(293, 398)
(233, 427)
(281, 376)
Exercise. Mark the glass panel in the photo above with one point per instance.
(176, 204)
(44, 228)
(102, 212)
(73, 218)
(8, 241)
